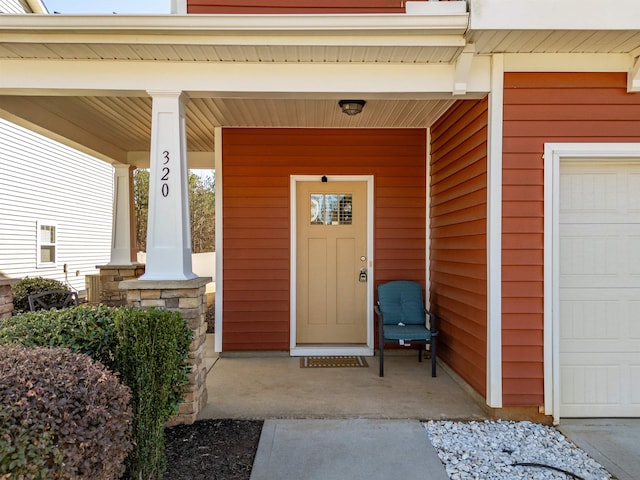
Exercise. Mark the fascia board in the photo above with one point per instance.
(263, 24)
(384, 39)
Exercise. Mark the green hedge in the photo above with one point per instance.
(63, 416)
(150, 355)
(146, 347)
(83, 329)
(29, 286)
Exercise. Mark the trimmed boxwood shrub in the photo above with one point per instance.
(152, 346)
(83, 329)
(29, 286)
(63, 416)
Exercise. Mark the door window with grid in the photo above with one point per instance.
(331, 208)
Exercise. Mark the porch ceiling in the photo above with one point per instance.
(125, 122)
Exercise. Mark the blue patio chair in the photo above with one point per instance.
(402, 320)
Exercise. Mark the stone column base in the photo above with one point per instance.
(187, 297)
(6, 297)
(110, 278)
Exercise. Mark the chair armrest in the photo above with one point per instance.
(433, 320)
(376, 308)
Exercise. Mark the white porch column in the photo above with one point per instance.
(168, 228)
(122, 242)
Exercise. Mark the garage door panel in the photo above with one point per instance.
(589, 255)
(633, 192)
(600, 193)
(600, 289)
(632, 257)
(604, 411)
(594, 385)
(584, 191)
(602, 218)
(586, 319)
(634, 320)
(635, 380)
(594, 346)
(595, 259)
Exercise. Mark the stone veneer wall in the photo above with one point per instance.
(187, 297)
(6, 297)
(110, 278)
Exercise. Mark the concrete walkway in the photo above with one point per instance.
(332, 423)
(612, 442)
(355, 449)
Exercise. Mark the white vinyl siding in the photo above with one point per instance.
(14, 6)
(43, 180)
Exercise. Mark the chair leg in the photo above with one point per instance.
(381, 354)
(420, 347)
(433, 356)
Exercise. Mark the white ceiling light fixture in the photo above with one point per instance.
(351, 107)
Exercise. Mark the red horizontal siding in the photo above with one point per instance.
(257, 165)
(539, 108)
(458, 257)
(294, 6)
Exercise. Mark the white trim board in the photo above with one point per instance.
(554, 153)
(427, 236)
(567, 62)
(494, 236)
(367, 350)
(217, 132)
(291, 80)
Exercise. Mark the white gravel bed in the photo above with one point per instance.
(489, 450)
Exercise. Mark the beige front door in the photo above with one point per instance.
(331, 255)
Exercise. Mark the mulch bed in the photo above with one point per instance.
(212, 450)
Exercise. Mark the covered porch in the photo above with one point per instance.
(261, 386)
(157, 92)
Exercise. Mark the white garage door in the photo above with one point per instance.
(600, 289)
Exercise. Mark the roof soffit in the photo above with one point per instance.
(569, 15)
(550, 26)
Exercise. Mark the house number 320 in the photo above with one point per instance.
(164, 189)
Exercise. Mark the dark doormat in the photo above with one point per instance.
(333, 362)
